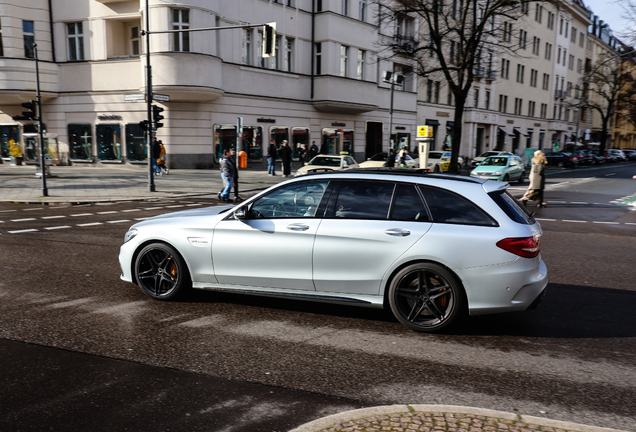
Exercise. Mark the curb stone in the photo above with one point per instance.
(383, 418)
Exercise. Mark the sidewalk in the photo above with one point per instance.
(85, 184)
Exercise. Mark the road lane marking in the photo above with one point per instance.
(107, 212)
(23, 220)
(192, 205)
(578, 202)
(143, 218)
(90, 224)
(53, 217)
(22, 231)
(118, 221)
(57, 227)
(82, 214)
(153, 208)
(130, 210)
(174, 206)
(541, 219)
(607, 223)
(32, 209)
(577, 221)
(7, 211)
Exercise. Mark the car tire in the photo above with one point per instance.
(506, 178)
(426, 297)
(437, 169)
(161, 273)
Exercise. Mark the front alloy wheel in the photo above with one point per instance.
(425, 297)
(161, 272)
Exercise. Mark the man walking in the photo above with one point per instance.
(227, 173)
(272, 154)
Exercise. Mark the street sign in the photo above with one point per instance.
(424, 132)
(135, 97)
(160, 97)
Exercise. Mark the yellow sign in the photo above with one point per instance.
(425, 131)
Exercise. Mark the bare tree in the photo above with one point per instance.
(453, 42)
(608, 90)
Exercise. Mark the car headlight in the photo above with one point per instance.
(130, 235)
(497, 173)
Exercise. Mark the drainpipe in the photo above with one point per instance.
(313, 44)
(52, 34)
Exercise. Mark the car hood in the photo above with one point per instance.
(489, 168)
(203, 213)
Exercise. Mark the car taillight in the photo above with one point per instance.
(526, 247)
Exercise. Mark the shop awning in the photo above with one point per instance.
(521, 132)
(432, 122)
(506, 130)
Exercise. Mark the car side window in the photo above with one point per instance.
(363, 200)
(408, 205)
(449, 207)
(292, 201)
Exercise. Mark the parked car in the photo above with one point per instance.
(449, 245)
(328, 163)
(619, 155)
(560, 159)
(479, 159)
(378, 160)
(582, 157)
(439, 161)
(604, 156)
(503, 167)
(630, 153)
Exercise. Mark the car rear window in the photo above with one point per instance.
(512, 207)
(449, 207)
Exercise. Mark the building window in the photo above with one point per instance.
(181, 21)
(344, 59)
(432, 91)
(521, 71)
(565, 55)
(579, 65)
(318, 58)
(289, 49)
(544, 110)
(507, 31)
(518, 105)
(80, 142)
(503, 102)
(363, 10)
(531, 107)
(571, 62)
(135, 48)
(361, 58)
(74, 41)
(551, 17)
(476, 98)
(487, 100)
(108, 142)
(28, 32)
(262, 62)
(533, 77)
(318, 5)
(247, 46)
(573, 35)
(523, 39)
(136, 149)
(505, 68)
(546, 81)
(548, 51)
(581, 39)
(276, 64)
(536, 45)
(538, 13)
(345, 7)
(561, 27)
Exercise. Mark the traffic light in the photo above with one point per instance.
(143, 125)
(269, 40)
(156, 116)
(30, 113)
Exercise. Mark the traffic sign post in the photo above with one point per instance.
(424, 138)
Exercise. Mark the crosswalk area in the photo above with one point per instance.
(23, 218)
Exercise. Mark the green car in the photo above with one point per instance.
(502, 167)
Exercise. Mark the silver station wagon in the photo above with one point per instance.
(430, 247)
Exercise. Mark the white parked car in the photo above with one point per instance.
(328, 163)
(429, 247)
(439, 161)
(379, 159)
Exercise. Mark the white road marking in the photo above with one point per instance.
(36, 208)
(118, 221)
(130, 210)
(82, 214)
(7, 211)
(90, 224)
(540, 219)
(23, 220)
(578, 221)
(57, 227)
(53, 217)
(22, 231)
(173, 206)
(153, 208)
(192, 205)
(144, 218)
(108, 212)
(578, 202)
(607, 223)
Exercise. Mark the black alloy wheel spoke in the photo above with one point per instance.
(425, 296)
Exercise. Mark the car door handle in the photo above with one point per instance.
(398, 232)
(297, 227)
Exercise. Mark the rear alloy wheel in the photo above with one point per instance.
(161, 272)
(425, 297)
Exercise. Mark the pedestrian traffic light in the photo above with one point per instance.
(269, 40)
(30, 113)
(156, 116)
(143, 125)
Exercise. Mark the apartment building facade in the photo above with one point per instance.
(521, 98)
(324, 84)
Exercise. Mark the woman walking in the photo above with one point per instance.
(537, 180)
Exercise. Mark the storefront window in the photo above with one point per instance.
(32, 148)
(224, 138)
(337, 141)
(136, 148)
(279, 134)
(253, 142)
(300, 137)
(10, 136)
(80, 143)
(108, 142)
(402, 140)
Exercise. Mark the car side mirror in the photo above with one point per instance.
(240, 214)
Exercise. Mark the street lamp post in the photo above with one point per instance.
(45, 191)
(392, 78)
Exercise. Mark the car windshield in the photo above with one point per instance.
(379, 157)
(495, 161)
(325, 161)
(435, 155)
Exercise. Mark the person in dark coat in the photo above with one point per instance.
(313, 151)
(286, 155)
(156, 154)
(390, 159)
(272, 154)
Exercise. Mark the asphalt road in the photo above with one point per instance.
(65, 314)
